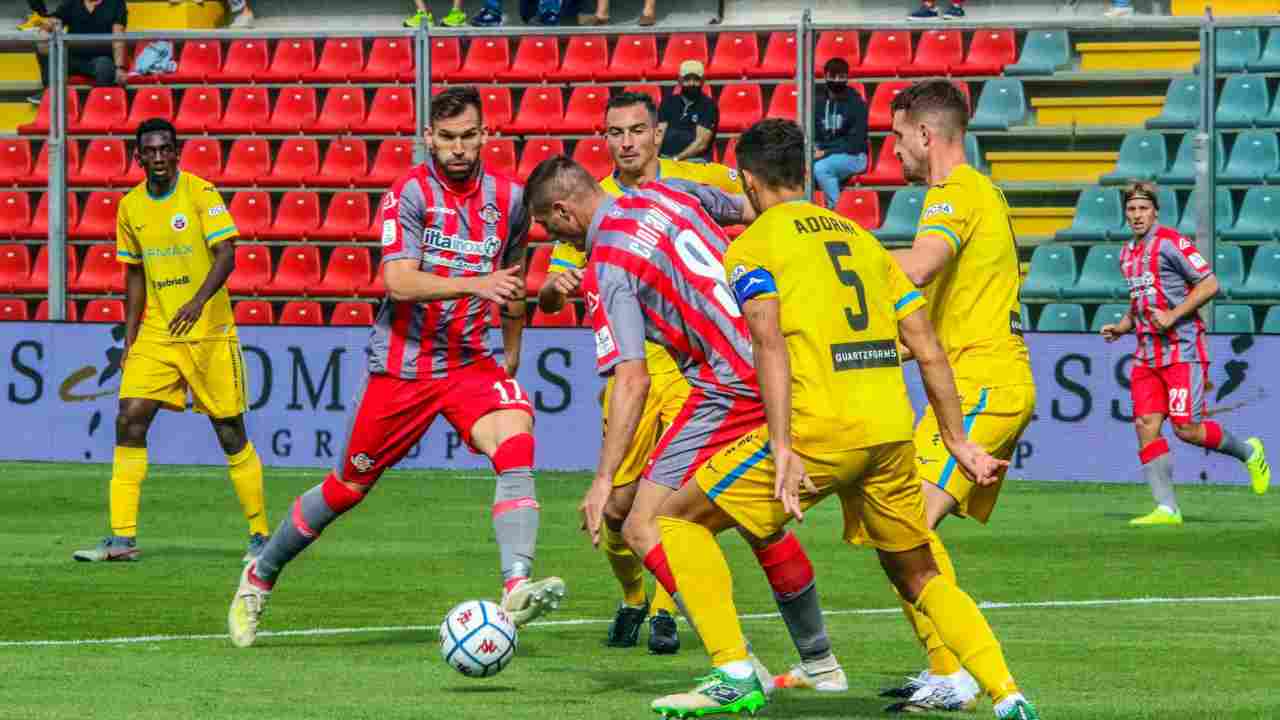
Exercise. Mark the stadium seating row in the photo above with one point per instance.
(1242, 48)
(1070, 317)
(1099, 215)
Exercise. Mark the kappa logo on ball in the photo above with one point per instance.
(178, 222)
(490, 213)
(362, 462)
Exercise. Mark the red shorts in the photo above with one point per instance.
(704, 426)
(1175, 390)
(392, 414)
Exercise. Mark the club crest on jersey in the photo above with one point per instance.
(490, 213)
(362, 462)
(178, 222)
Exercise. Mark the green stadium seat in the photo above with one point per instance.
(1143, 156)
(1043, 53)
(1237, 47)
(1263, 282)
(973, 154)
(1233, 320)
(1257, 219)
(1002, 105)
(1254, 156)
(1271, 323)
(1108, 314)
(1100, 276)
(1062, 317)
(1228, 265)
(1183, 170)
(1272, 118)
(902, 217)
(1168, 212)
(1025, 313)
(1224, 212)
(1243, 101)
(1269, 60)
(1181, 105)
(1098, 213)
(1053, 270)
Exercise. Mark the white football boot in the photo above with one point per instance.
(246, 610)
(531, 598)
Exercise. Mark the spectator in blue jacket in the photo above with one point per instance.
(840, 132)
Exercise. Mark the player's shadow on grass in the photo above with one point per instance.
(816, 705)
(1124, 518)
(485, 689)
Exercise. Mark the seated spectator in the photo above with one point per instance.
(490, 15)
(687, 122)
(1119, 8)
(242, 11)
(457, 17)
(839, 133)
(105, 64)
(38, 13)
(929, 11)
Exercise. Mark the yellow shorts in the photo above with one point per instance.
(994, 417)
(667, 394)
(212, 370)
(877, 486)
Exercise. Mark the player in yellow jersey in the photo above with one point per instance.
(175, 237)
(965, 258)
(631, 131)
(826, 307)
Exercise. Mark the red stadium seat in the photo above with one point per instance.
(253, 271)
(13, 310)
(500, 155)
(298, 271)
(248, 161)
(585, 112)
(392, 112)
(98, 221)
(741, 106)
(200, 61)
(650, 89)
(347, 217)
(101, 272)
(156, 102)
(681, 47)
(301, 312)
(341, 60)
(295, 111)
(39, 227)
(254, 312)
(248, 109)
(593, 154)
(296, 160)
(487, 58)
(133, 175)
(343, 112)
(38, 281)
(536, 273)
(860, 206)
(42, 312)
(541, 111)
(887, 170)
(446, 58)
(887, 50)
(245, 60)
(40, 126)
(349, 269)
(730, 158)
(635, 57)
(566, 316)
(104, 158)
(393, 159)
(376, 288)
(535, 151)
(15, 214)
(15, 266)
(779, 57)
(297, 216)
(200, 111)
(251, 209)
(15, 160)
(346, 162)
(989, 52)
(784, 102)
(584, 57)
(202, 157)
(537, 57)
(105, 110)
(736, 55)
(293, 60)
(835, 44)
(390, 60)
(936, 52)
(879, 116)
(495, 106)
(104, 310)
(348, 313)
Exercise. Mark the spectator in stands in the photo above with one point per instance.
(840, 132)
(928, 10)
(457, 17)
(243, 13)
(38, 13)
(688, 121)
(601, 17)
(490, 15)
(1119, 8)
(106, 65)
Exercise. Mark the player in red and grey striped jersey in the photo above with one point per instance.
(655, 272)
(1169, 280)
(453, 239)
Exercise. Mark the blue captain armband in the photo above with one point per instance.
(750, 284)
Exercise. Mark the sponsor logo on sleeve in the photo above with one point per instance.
(217, 210)
(388, 233)
(178, 222)
(937, 209)
(604, 343)
(593, 302)
(1197, 261)
(389, 201)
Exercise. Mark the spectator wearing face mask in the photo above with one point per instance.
(688, 121)
(840, 132)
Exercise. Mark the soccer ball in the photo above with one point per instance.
(477, 638)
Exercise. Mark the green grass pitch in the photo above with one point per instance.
(422, 542)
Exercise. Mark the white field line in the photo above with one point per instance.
(600, 621)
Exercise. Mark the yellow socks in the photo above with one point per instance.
(626, 566)
(128, 468)
(245, 469)
(962, 627)
(706, 588)
(941, 660)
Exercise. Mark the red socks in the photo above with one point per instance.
(656, 562)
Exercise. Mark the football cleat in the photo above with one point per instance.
(257, 541)
(417, 19)
(762, 673)
(112, 549)
(1160, 516)
(715, 694)
(530, 599)
(910, 687)
(456, 18)
(663, 639)
(247, 606)
(1021, 710)
(823, 675)
(1259, 470)
(624, 631)
(31, 23)
(940, 695)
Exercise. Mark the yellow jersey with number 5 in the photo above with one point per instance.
(974, 298)
(840, 296)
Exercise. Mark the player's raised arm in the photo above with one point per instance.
(723, 207)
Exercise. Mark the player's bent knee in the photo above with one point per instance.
(342, 495)
(1188, 432)
(910, 570)
(514, 452)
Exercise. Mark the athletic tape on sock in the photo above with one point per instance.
(338, 496)
(1212, 435)
(786, 566)
(515, 452)
(1153, 450)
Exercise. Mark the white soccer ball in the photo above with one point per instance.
(477, 638)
